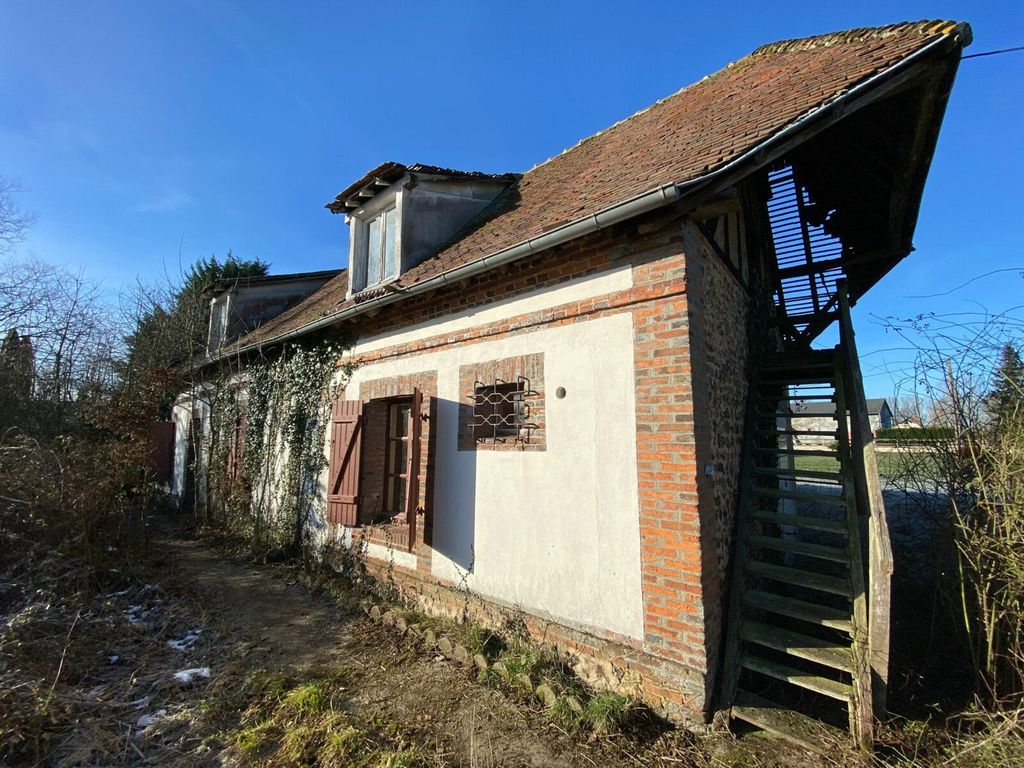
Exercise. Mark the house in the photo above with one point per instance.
(564, 384)
(820, 417)
(907, 422)
(240, 305)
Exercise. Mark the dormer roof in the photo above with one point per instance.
(384, 175)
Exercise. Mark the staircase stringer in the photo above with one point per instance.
(861, 707)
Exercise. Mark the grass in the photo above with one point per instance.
(891, 464)
(308, 699)
(606, 711)
(301, 723)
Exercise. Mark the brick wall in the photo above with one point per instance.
(719, 347)
(508, 369)
(689, 334)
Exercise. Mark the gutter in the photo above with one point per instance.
(636, 206)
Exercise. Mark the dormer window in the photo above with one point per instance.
(380, 247)
(401, 215)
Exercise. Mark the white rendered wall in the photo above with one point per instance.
(181, 415)
(584, 288)
(556, 532)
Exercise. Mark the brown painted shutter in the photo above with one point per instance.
(161, 459)
(343, 467)
(412, 467)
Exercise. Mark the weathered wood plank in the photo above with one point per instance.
(802, 646)
(801, 578)
(799, 521)
(803, 731)
(823, 685)
(812, 613)
(869, 495)
(834, 554)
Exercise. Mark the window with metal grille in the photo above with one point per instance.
(500, 410)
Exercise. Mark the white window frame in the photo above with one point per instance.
(359, 259)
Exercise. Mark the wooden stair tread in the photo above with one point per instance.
(799, 432)
(834, 500)
(796, 474)
(797, 377)
(805, 732)
(805, 355)
(812, 613)
(799, 396)
(800, 578)
(814, 649)
(800, 521)
(834, 554)
(823, 685)
(797, 452)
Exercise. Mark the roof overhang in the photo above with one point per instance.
(934, 64)
(356, 194)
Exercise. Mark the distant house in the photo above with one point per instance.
(550, 409)
(821, 417)
(909, 422)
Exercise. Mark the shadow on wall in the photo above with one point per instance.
(454, 488)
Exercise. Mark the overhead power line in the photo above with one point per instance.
(994, 53)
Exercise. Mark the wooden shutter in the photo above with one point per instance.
(343, 467)
(412, 466)
(161, 459)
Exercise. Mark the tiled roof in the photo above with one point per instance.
(675, 140)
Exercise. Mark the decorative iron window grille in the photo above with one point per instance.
(501, 410)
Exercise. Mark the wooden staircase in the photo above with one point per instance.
(797, 651)
(807, 631)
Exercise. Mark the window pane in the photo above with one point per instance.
(400, 419)
(396, 495)
(398, 453)
(373, 251)
(390, 243)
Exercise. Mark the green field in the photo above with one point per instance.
(890, 464)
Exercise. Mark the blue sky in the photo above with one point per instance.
(146, 135)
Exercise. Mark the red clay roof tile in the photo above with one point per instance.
(675, 140)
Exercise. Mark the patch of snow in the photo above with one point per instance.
(136, 614)
(147, 720)
(186, 676)
(187, 641)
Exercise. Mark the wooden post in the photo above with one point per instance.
(862, 704)
(871, 502)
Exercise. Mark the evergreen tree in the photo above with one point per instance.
(169, 334)
(1006, 400)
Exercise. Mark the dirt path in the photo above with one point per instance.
(291, 629)
(282, 620)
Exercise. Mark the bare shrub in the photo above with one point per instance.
(970, 481)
